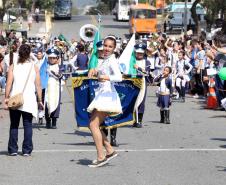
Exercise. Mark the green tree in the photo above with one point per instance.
(102, 7)
(45, 4)
(110, 4)
(214, 8)
(195, 16)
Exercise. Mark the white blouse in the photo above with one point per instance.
(20, 75)
(163, 88)
(109, 67)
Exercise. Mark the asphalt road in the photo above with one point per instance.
(190, 151)
(71, 28)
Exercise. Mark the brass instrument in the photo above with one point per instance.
(87, 32)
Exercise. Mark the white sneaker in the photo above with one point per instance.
(26, 155)
(13, 154)
(96, 163)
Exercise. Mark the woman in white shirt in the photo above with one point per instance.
(19, 72)
(106, 102)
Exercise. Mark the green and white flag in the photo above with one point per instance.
(94, 58)
(128, 59)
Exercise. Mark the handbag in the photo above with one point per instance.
(17, 100)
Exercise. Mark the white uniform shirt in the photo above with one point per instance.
(163, 88)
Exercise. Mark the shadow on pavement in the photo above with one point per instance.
(221, 168)
(218, 116)
(34, 126)
(38, 126)
(86, 162)
(75, 144)
(220, 139)
(153, 122)
(80, 133)
(4, 153)
(83, 162)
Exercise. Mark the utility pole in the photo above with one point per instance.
(185, 16)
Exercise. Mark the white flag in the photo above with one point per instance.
(125, 58)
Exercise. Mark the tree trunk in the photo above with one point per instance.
(195, 17)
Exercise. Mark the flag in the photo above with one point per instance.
(94, 58)
(61, 37)
(44, 75)
(127, 63)
(127, 90)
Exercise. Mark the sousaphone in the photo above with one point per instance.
(87, 32)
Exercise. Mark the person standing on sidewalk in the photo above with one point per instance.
(37, 11)
(29, 21)
(23, 74)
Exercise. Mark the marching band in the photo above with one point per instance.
(177, 66)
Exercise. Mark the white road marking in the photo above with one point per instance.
(139, 150)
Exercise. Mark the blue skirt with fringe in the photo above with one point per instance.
(164, 101)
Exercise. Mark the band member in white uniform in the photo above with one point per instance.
(143, 68)
(53, 91)
(164, 94)
(183, 68)
(113, 131)
(106, 102)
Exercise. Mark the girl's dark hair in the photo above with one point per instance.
(202, 45)
(170, 69)
(24, 53)
(81, 48)
(13, 49)
(112, 38)
(1, 57)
